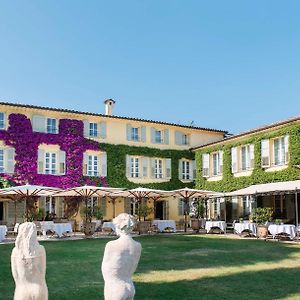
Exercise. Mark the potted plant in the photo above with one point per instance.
(261, 216)
(88, 213)
(143, 211)
(197, 215)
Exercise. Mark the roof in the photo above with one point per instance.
(108, 116)
(251, 131)
(268, 188)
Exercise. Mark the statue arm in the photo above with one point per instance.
(14, 269)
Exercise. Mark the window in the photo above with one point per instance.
(92, 203)
(217, 163)
(95, 163)
(186, 170)
(158, 136)
(275, 151)
(245, 162)
(50, 205)
(93, 129)
(279, 151)
(2, 120)
(1, 161)
(51, 125)
(92, 165)
(134, 133)
(185, 139)
(181, 138)
(158, 168)
(50, 163)
(134, 167)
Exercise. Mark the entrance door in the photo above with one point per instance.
(1, 211)
(159, 210)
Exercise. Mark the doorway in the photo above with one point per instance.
(159, 210)
(1, 211)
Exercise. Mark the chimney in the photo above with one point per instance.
(109, 105)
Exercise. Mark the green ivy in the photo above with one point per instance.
(259, 175)
(116, 165)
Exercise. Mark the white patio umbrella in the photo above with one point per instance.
(139, 193)
(26, 192)
(86, 192)
(187, 193)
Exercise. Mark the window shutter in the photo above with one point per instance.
(9, 157)
(62, 162)
(286, 149)
(85, 163)
(168, 168)
(38, 123)
(103, 205)
(180, 169)
(102, 129)
(42, 202)
(265, 153)
(152, 162)
(194, 170)
(220, 163)
(178, 138)
(41, 157)
(128, 162)
(205, 165)
(86, 128)
(234, 162)
(127, 205)
(4, 121)
(128, 132)
(180, 207)
(152, 135)
(251, 156)
(143, 134)
(145, 162)
(103, 166)
(166, 136)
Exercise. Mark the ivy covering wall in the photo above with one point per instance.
(71, 139)
(259, 175)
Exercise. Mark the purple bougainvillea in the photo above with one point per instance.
(26, 142)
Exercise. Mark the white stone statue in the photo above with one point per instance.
(28, 265)
(120, 261)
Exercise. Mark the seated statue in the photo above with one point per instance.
(120, 261)
(28, 265)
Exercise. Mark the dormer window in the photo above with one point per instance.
(51, 125)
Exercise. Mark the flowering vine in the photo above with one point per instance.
(70, 139)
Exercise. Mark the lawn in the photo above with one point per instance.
(173, 267)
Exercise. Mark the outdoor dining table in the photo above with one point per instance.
(109, 225)
(240, 227)
(163, 224)
(3, 231)
(289, 229)
(219, 224)
(46, 225)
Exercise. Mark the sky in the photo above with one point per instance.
(230, 65)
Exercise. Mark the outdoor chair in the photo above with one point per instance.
(107, 230)
(180, 224)
(168, 230)
(153, 229)
(13, 230)
(215, 230)
(39, 230)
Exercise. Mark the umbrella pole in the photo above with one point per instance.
(225, 214)
(296, 207)
(185, 213)
(15, 202)
(114, 207)
(86, 212)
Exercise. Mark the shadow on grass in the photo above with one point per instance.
(262, 285)
(189, 252)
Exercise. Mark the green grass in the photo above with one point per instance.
(173, 267)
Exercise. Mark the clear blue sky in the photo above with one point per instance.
(229, 65)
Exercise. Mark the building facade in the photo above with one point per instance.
(65, 148)
(267, 154)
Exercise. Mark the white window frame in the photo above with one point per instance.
(50, 167)
(135, 134)
(216, 171)
(245, 159)
(135, 167)
(93, 165)
(93, 129)
(158, 136)
(185, 139)
(49, 127)
(186, 169)
(2, 163)
(51, 204)
(159, 168)
(280, 152)
(2, 120)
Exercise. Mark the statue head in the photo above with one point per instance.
(124, 224)
(26, 241)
